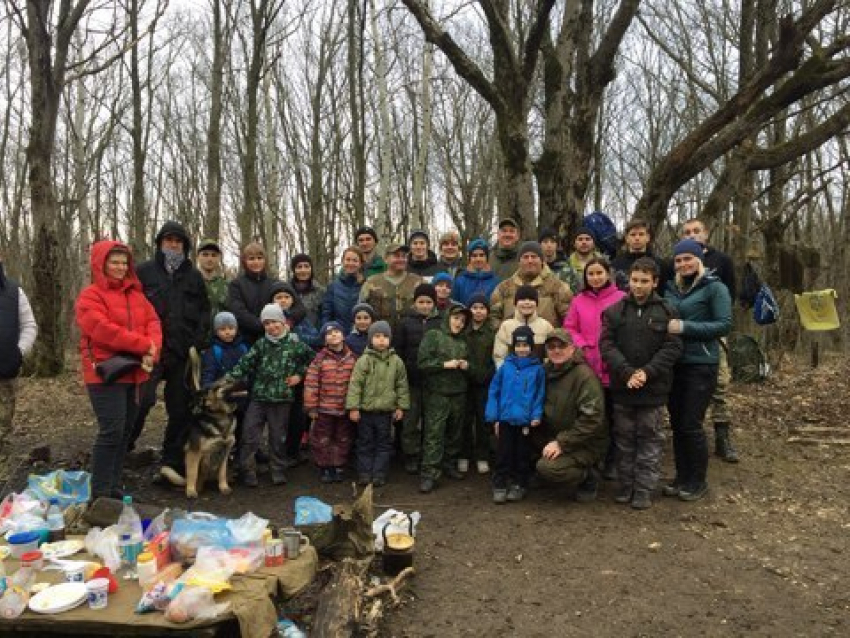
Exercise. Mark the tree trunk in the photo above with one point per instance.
(356, 100)
(138, 215)
(212, 222)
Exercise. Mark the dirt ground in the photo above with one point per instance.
(765, 554)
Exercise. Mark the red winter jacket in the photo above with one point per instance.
(114, 317)
(326, 385)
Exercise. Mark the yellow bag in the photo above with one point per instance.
(817, 310)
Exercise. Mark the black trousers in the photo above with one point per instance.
(513, 457)
(693, 386)
(115, 408)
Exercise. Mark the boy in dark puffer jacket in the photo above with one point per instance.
(362, 316)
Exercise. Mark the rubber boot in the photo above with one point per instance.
(723, 443)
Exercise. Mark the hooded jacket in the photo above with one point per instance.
(312, 295)
(469, 283)
(409, 335)
(115, 317)
(634, 337)
(437, 347)
(18, 329)
(539, 326)
(705, 309)
(621, 264)
(584, 323)
(220, 358)
(339, 301)
(326, 383)
(378, 383)
(516, 392)
(574, 412)
(180, 299)
(269, 364)
(480, 342)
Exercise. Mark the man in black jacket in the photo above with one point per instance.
(721, 265)
(177, 291)
(637, 240)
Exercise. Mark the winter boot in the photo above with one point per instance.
(723, 443)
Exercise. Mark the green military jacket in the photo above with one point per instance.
(217, 294)
(437, 347)
(390, 301)
(269, 364)
(378, 383)
(480, 342)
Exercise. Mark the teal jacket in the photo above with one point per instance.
(705, 309)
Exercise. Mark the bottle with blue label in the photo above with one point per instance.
(130, 538)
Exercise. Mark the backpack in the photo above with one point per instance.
(750, 285)
(604, 232)
(765, 307)
(747, 359)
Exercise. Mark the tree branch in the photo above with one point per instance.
(602, 61)
(538, 30)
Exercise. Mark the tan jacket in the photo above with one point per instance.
(539, 326)
(555, 297)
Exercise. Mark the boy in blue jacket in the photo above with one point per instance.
(514, 405)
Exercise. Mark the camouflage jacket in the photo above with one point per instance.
(389, 300)
(269, 364)
(217, 293)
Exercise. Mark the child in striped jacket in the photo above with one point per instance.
(325, 389)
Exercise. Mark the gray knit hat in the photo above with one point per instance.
(224, 319)
(272, 312)
(380, 328)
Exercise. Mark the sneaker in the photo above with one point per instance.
(411, 465)
(624, 494)
(671, 489)
(483, 467)
(515, 493)
(249, 478)
(641, 500)
(452, 472)
(427, 485)
(338, 474)
(278, 477)
(689, 493)
(500, 496)
(379, 481)
(586, 490)
(364, 480)
(326, 475)
(463, 466)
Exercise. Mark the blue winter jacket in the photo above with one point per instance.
(706, 313)
(469, 283)
(517, 392)
(357, 341)
(340, 298)
(220, 358)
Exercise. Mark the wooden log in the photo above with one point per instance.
(338, 611)
(809, 440)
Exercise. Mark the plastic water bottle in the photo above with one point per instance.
(288, 629)
(55, 521)
(130, 539)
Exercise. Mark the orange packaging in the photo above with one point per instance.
(158, 546)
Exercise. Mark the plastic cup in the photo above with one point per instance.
(76, 574)
(98, 593)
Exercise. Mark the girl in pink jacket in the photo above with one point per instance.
(584, 319)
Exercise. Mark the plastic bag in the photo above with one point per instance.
(104, 543)
(67, 487)
(157, 525)
(212, 569)
(312, 511)
(17, 509)
(399, 523)
(194, 603)
(248, 529)
(198, 530)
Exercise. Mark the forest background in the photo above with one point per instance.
(295, 122)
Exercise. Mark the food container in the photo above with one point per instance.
(23, 542)
(398, 550)
(76, 574)
(274, 552)
(98, 595)
(34, 560)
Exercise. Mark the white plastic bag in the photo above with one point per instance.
(212, 569)
(248, 529)
(194, 603)
(396, 523)
(104, 543)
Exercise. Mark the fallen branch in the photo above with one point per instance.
(393, 586)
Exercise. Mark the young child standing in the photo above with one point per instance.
(325, 389)
(525, 301)
(377, 396)
(362, 316)
(276, 364)
(515, 404)
(640, 354)
(480, 336)
(443, 361)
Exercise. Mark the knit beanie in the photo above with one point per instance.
(523, 334)
(425, 290)
(418, 233)
(478, 244)
(272, 312)
(479, 298)
(689, 246)
(548, 233)
(224, 319)
(526, 292)
(300, 258)
(441, 277)
(583, 230)
(330, 325)
(365, 230)
(380, 328)
(364, 307)
(531, 247)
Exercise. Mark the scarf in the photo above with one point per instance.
(173, 260)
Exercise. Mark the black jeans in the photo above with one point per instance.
(297, 423)
(693, 385)
(374, 444)
(178, 406)
(513, 457)
(115, 408)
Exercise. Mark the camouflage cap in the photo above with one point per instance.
(559, 334)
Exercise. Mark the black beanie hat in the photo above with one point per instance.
(526, 292)
(365, 230)
(300, 258)
(479, 298)
(425, 290)
(548, 233)
(523, 334)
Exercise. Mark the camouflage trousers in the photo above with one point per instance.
(639, 437)
(441, 441)
(7, 413)
(719, 405)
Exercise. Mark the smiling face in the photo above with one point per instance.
(116, 266)
(423, 305)
(450, 250)
(444, 290)
(397, 262)
(508, 236)
(255, 263)
(419, 248)
(366, 243)
(526, 307)
(274, 328)
(303, 271)
(478, 260)
(687, 264)
(351, 262)
(597, 276)
(695, 229)
(362, 321)
(559, 352)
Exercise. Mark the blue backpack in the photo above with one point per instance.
(765, 307)
(604, 232)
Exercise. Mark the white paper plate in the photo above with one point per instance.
(59, 598)
(62, 549)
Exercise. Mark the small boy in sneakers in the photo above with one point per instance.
(640, 354)
(325, 389)
(514, 405)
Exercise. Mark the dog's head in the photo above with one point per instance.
(220, 397)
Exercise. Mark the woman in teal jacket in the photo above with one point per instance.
(705, 311)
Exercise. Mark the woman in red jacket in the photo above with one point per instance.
(114, 317)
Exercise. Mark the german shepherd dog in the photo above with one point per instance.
(211, 434)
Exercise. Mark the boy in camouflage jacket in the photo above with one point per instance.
(276, 364)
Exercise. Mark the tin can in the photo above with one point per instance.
(274, 552)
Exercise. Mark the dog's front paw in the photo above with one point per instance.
(225, 489)
(191, 493)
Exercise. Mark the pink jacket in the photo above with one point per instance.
(584, 323)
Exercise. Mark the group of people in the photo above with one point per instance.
(556, 367)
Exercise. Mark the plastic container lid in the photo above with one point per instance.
(22, 538)
(29, 557)
(98, 584)
(144, 557)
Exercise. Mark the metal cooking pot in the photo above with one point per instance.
(398, 549)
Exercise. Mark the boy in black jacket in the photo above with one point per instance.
(640, 354)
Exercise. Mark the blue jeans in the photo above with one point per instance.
(115, 408)
(693, 386)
